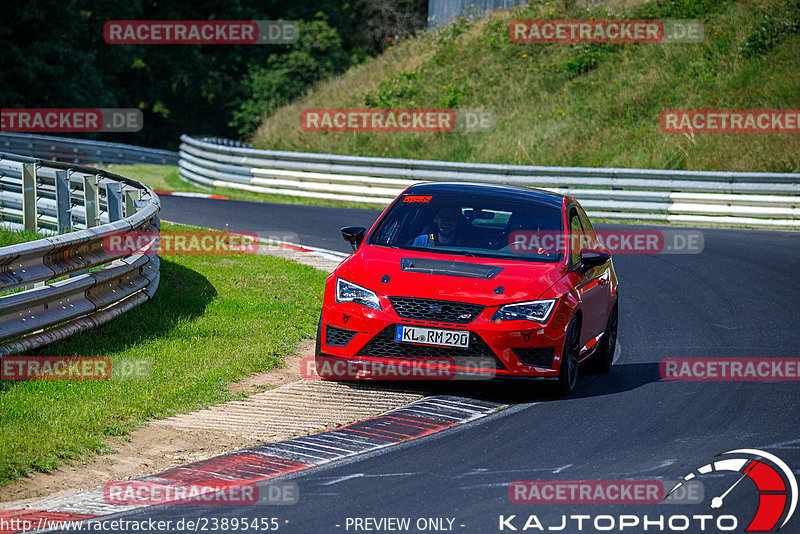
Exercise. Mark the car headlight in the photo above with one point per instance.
(350, 292)
(535, 310)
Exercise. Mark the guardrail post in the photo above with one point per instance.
(132, 196)
(114, 201)
(91, 200)
(63, 202)
(29, 212)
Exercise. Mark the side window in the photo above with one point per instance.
(590, 241)
(575, 229)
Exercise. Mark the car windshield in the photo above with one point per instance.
(470, 226)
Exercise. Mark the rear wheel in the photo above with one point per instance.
(568, 374)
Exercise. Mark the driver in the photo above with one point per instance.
(529, 229)
(449, 223)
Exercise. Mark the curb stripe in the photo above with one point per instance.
(272, 460)
(294, 247)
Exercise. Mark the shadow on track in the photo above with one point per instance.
(623, 377)
(182, 294)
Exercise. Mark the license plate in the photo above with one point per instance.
(432, 336)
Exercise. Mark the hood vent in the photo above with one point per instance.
(449, 268)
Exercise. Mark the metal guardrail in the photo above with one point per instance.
(82, 150)
(69, 282)
(767, 200)
(443, 12)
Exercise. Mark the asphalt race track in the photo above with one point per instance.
(315, 226)
(739, 298)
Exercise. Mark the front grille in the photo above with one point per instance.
(539, 357)
(337, 337)
(441, 311)
(384, 345)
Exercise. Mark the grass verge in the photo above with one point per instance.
(8, 237)
(213, 320)
(592, 105)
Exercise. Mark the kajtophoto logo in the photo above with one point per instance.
(775, 491)
(774, 481)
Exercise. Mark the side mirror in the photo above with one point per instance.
(591, 257)
(354, 235)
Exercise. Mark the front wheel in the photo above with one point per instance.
(605, 352)
(568, 373)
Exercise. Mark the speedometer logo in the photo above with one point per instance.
(776, 484)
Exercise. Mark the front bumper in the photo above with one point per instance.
(496, 348)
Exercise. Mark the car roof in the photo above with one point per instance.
(494, 191)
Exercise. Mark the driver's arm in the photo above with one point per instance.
(424, 240)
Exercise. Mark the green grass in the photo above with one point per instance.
(214, 320)
(7, 237)
(165, 178)
(575, 104)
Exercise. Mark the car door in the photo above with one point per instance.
(594, 282)
(604, 280)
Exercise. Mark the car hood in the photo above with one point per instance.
(415, 273)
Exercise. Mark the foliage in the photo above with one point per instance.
(399, 91)
(318, 54)
(54, 55)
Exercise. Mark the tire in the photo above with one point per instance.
(604, 358)
(568, 373)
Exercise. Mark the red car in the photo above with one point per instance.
(486, 280)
